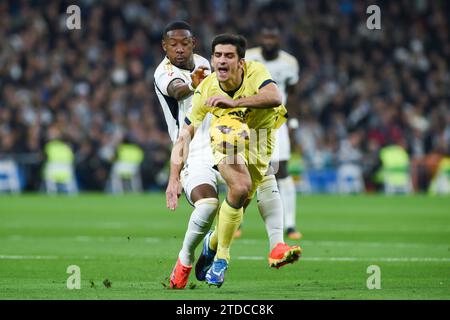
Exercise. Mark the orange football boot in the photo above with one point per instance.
(180, 276)
(293, 234)
(283, 254)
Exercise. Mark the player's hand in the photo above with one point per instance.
(198, 75)
(173, 192)
(221, 102)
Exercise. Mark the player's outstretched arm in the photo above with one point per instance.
(268, 97)
(179, 90)
(178, 157)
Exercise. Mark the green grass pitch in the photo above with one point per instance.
(133, 242)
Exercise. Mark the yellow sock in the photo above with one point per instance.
(229, 221)
(213, 241)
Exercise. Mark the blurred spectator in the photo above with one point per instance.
(125, 173)
(349, 164)
(58, 170)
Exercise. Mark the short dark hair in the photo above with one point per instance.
(177, 25)
(270, 26)
(234, 39)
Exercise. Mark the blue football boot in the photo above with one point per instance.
(216, 274)
(205, 260)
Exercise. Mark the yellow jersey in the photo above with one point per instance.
(256, 77)
(261, 121)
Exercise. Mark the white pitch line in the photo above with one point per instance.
(331, 243)
(11, 257)
(308, 243)
(29, 257)
(115, 239)
(330, 259)
(83, 238)
(355, 259)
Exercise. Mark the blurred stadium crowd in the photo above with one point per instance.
(359, 89)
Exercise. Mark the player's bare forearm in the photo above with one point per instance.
(173, 190)
(178, 157)
(268, 97)
(180, 152)
(179, 90)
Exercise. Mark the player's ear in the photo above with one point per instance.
(194, 42)
(164, 45)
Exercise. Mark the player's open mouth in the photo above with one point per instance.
(222, 71)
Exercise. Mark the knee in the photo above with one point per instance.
(241, 189)
(204, 213)
(208, 207)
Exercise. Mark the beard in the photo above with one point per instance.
(270, 53)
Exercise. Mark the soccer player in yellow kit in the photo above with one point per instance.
(236, 90)
(284, 69)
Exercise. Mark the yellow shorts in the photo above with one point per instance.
(256, 156)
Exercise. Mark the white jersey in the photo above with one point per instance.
(175, 111)
(284, 69)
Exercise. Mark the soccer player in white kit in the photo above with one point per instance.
(176, 78)
(284, 70)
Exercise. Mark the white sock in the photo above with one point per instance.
(288, 196)
(271, 209)
(199, 224)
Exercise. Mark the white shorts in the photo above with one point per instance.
(282, 150)
(197, 173)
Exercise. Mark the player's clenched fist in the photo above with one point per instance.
(173, 192)
(198, 75)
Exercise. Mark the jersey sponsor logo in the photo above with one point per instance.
(240, 114)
